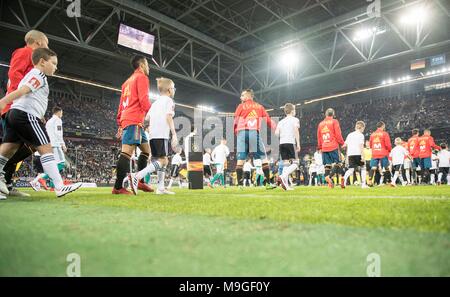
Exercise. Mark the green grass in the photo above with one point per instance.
(229, 232)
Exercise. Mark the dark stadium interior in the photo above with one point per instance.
(281, 141)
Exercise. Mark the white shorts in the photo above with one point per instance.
(321, 170)
(59, 155)
(407, 164)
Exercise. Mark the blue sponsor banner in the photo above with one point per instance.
(437, 60)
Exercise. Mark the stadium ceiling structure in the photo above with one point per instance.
(228, 45)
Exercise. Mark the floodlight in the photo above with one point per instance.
(289, 58)
(416, 15)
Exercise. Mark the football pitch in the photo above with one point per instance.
(229, 232)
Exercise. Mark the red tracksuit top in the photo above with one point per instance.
(134, 102)
(249, 116)
(329, 135)
(19, 66)
(426, 143)
(380, 143)
(413, 147)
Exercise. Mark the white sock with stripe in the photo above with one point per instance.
(347, 174)
(51, 168)
(150, 168)
(289, 169)
(3, 161)
(161, 176)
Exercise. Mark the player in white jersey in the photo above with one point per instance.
(207, 172)
(55, 132)
(444, 163)
(433, 169)
(176, 163)
(288, 130)
(312, 172)
(160, 117)
(219, 156)
(259, 179)
(247, 168)
(25, 119)
(398, 154)
(320, 167)
(355, 145)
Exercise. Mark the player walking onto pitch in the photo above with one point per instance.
(20, 65)
(426, 144)
(247, 124)
(355, 146)
(219, 156)
(398, 154)
(380, 143)
(288, 130)
(413, 148)
(329, 137)
(55, 132)
(207, 172)
(161, 125)
(444, 164)
(176, 163)
(24, 122)
(134, 105)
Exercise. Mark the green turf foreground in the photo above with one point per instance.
(229, 232)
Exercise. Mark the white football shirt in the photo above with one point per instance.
(159, 128)
(36, 101)
(177, 160)
(287, 128)
(220, 154)
(444, 158)
(398, 155)
(247, 167)
(206, 159)
(55, 131)
(354, 141)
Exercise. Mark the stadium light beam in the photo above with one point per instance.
(415, 15)
(289, 58)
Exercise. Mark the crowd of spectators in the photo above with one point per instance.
(401, 115)
(88, 115)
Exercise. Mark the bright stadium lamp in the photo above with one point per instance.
(289, 58)
(416, 15)
(364, 34)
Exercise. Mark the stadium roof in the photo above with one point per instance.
(215, 48)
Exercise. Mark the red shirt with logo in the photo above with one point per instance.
(380, 143)
(19, 66)
(134, 102)
(426, 143)
(249, 116)
(329, 135)
(413, 147)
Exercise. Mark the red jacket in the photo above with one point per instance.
(249, 116)
(380, 143)
(426, 143)
(20, 65)
(413, 147)
(329, 135)
(134, 102)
